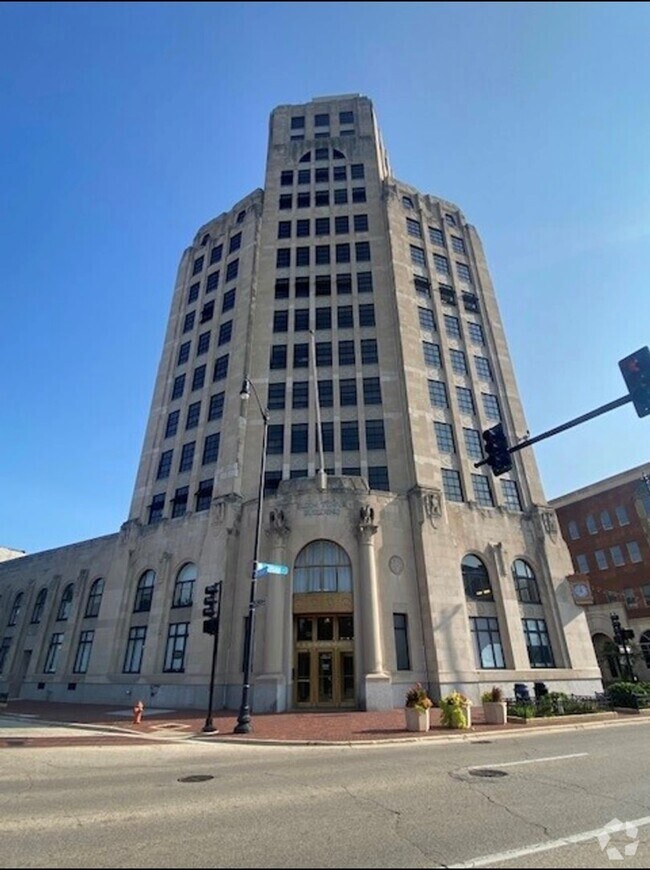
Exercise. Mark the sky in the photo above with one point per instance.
(126, 126)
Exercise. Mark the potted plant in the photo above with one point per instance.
(416, 708)
(456, 711)
(495, 709)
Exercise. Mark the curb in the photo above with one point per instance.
(216, 737)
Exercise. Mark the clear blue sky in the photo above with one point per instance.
(125, 126)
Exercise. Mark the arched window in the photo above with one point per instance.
(95, 598)
(39, 606)
(144, 592)
(66, 603)
(476, 579)
(15, 610)
(407, 202)
(644, 640)
(322, 566)
(525, 582)
(184, 586)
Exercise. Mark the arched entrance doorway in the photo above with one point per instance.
(608, 657)
(323, 628)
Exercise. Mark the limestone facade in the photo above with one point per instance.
(349, 297)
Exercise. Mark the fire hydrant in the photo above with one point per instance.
(138, 710)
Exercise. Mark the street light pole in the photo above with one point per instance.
(243, 725)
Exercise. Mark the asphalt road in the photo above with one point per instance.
(385, 805)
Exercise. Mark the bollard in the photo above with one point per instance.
(138, 710)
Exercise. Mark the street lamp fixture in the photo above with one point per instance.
(244, 725)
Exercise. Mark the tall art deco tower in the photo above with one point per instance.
(349, 297)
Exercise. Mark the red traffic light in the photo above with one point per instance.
(635, 369)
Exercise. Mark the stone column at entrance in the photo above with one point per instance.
(271, 685)
(377, 683)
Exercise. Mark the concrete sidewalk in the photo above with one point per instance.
(293, 727)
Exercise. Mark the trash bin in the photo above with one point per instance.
(522, 692)
(540, 690)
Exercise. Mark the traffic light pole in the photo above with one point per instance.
(212, 610)
(209, 724)
(603, 409)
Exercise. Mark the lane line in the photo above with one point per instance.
(530, 761)
(512, 854)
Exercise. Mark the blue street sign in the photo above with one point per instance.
(264, 568)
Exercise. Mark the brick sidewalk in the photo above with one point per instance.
(303, 727)
(329, 726)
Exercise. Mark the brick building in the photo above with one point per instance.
(607, 528)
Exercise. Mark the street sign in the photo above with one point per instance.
(264, 568)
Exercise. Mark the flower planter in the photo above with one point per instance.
(495, 712)
(416, 720)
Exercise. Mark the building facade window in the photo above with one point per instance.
(511, 498)
(156, 507)
(525, 582)
(211, 448)
(144, 592)
(177, 636)
(39, 606)
(582, 564)
(184, 586)
(473, 443)
(53, 652)
(322, 566)
(204, 495)
(476, 579)
(401, 635)
(94, 601)
(487, 643)
(65, 606)
(134, 649)
(540, 653)
(179, 502)
(451, 485)
(5, 646)
(444, 437)
(574, 531)
(84, 648)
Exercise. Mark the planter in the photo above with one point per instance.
(495, 712)
(573, 719)
(416, 720)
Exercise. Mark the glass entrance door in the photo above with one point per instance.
(324, 661)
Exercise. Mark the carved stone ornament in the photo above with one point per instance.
(366, 527)
(396, 565)
(278, 525)
(549, 523)
(432, 504)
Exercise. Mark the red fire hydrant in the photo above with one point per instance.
(138, 710)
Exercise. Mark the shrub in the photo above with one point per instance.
(624, 694)
(495, 695)
(417, 697)
(453, 708)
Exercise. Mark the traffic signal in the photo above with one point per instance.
(635, 369)
(211, 604)
(497, 454)
(620, 634)
(210, 601)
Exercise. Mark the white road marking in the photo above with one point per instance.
(529, 761)
(512, 854)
